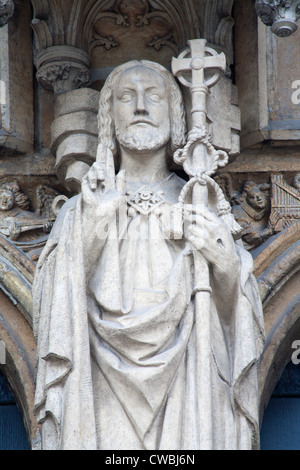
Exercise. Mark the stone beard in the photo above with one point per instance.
(144, 140)
(114, 315)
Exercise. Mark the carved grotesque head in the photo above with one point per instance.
(11, 196)
(254, 195)
(141, 105)
(7, 200)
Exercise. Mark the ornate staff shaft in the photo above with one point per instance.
(200, 161)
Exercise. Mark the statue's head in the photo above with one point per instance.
(141, 108)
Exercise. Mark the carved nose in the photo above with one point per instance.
(141, 105)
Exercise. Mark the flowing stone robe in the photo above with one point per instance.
(115, 322)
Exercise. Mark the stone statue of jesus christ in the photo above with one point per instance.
(114, 310)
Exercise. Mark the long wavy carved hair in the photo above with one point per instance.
(177, 111)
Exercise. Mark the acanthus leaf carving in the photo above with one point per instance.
(281, 15)
(61, 63)
(62, 68)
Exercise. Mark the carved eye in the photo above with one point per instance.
(126, 97)
(155, 97)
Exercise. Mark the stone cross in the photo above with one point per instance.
(201, 59)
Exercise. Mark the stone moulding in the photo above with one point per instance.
(16, 277)
(281, 15)
(277, 269)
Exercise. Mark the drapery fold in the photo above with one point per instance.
(143, 351)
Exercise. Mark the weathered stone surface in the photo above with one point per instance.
(119, 261)
(90, 38)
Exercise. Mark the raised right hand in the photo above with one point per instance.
(100, 187)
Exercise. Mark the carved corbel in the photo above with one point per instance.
(281, 15)
(62, 68)
(62, 65)
(6, 11)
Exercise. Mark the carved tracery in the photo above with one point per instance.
(158, 29)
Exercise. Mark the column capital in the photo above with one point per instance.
(281, 15)
(62, 68)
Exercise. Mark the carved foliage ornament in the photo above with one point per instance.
(61, 63)
(6, 11)
(281, 15)
(61, 77)
(134, 15)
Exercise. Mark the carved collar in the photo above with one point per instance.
(253, 213)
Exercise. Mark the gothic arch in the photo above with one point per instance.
(277, 269)
(16, 275)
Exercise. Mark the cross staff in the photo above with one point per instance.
(202, 59)
(198, 64)
(200, 161)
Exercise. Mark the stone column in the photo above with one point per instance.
(63, 66)
(65, 70)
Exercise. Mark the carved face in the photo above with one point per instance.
(256, 199)
(7, 200)
(141, 110)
